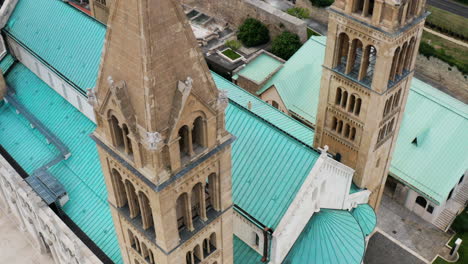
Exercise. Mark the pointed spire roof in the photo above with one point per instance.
(151, 47)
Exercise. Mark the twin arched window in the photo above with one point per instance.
(352, 103)
(192, 139)
(121, 136)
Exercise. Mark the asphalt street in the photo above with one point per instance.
(451, 6)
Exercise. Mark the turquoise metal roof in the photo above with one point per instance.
(366, 218)
(59, 34)
(435, 164)
(6, 62)
(244, 254)
(80, 174)
(298, 81)
(265, 111)
(330, 237)
(260, 68)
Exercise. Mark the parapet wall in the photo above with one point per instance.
(236, 11)
(49, 233)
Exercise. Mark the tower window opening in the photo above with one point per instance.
(116, 133)
(393, 69)
(188, 257)
(206, 248)
(196, 198)
(150, 256)
(357, 110)
(334, 123)
(182, 212)
(368, 65)
(212, 241)
(409, 55)
(352, 103)
(198, 135)
(127, 141)
(370, 10)
(359, 6)
(132, 198)
(344, 101)
(211, 192)
(342, 52)
(347, 131)
(275, 104)
(401, 61)
(197, 256)
(355, 58)
(353, 133)
(184, 143)
(119, 189)
(338, 96)
(339, 129)
(146, 211)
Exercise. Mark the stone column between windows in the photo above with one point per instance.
(364, 63)
(203, 202)
(188, 212)
(351, 56)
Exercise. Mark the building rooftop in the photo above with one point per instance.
(6, 63)
(260, 68)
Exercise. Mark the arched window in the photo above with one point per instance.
(396, 99)
(151, 256)
(275, 104)
(137, 244)
(206, 248)
(450, 193)
(347, 131)
(352, 103)
(147, 213)
(211, 193)
(116, 132)
(144, 250)
(339, 128)
(409, 54)
(133, 202)
(334, 123)
(390, 127)
(213, 243)
(182, 212)
(338, 96)
(184, 143)
(127, 141)
(353, 133)
(119, 189)
(257, 240)
(401, 59)
(367, 68)
(342, 51)
(421, 201)
(357, 110)
(358, 6)
(188, 257)
(197, 254)
(131, 239)
(198, 134)
(344, 102)
(355, 58)
(196, 201)
(393, 69)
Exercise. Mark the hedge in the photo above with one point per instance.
(429, 51)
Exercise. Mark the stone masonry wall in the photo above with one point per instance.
(450, 78)
(236, 11)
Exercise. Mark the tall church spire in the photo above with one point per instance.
(164, 150)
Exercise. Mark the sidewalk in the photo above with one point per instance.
(456, 41)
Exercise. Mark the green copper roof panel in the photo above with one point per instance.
(6, 63)
(80, 174)
(244, 254)
(265, 111)
(434, 164)
(268, 166)
(366, 218)
(260, 68)
(60, 34)
(298, 81)
(330, 237)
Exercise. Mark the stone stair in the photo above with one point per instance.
(462, 194)
(445, 219)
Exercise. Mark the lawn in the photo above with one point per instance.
(311, 33)
(231, 54)
(458, 53)
(447, 22)
(460, 225)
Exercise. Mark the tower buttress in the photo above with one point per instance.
(163, 146)
(369, 63)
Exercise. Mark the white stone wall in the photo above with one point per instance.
(246, 231)
(48, 232)
(419, 210)
(63, 88)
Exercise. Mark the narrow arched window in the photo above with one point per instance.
(342, 51)
(344, 101)
(401, 60)
(366, 72)
(355, 58)
(151, 256)
(257, 240)
(370, 9)
(353, 133)
(206, 248)
(275, 104)
(347, 131)
(334, 123)
(357, 110)
(421, 201)
(358, 6)
(144, 250)
(339, 129)
(147, 213)
(197, 254)
(117, 134)
(213, 243)
(127, 141)
(134, 204)
(338, 96)
(396, 99)
(119, 189)
(184, 143)
(182, 212)
(131, 239)
(196, 198)
(409, 54)
(211, 193)
(188, 257)
(137, 244)
(393, 69)
(198, 134)
(352, 103)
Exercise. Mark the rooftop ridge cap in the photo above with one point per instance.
(443, 102)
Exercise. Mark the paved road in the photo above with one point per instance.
(451, 6)
(382, 250)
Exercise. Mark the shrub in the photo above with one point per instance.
(233, 44)
(285, 45)
(253, 33)
(298, 12)
(322, 3)
(429, 51)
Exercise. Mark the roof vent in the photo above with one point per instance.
(420, 138)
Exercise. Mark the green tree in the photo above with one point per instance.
(298, 12)
(322, 3)
(253, 33)
(285, 45)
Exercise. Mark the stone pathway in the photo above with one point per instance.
(14, 246)
(410, 230)
(456, 41)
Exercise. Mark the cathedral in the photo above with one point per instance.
(119, 145)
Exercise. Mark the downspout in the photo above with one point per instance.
(5, 11)
(266, 252)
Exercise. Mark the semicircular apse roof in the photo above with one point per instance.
(330, 237)
(366, 218)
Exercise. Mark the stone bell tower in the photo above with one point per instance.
(369, 63)
(164, 150)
